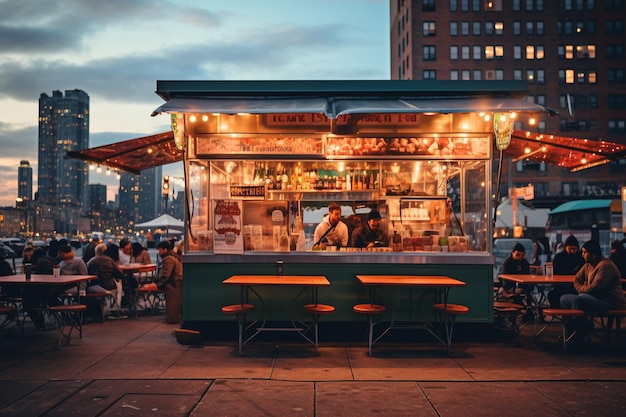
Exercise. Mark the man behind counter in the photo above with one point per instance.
(331, 230)
(370, 234)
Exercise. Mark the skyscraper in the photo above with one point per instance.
(63, 126)
(140, 195)
(571, 53)
(24, 182)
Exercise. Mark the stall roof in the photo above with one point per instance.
(335, 98)
(574, 154)
(133, 155)
(341, 97)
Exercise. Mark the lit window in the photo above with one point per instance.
(569, 76)
(530, 52)
(592, 77)
(499, 28)
(569, 51)
(530, 75)
(540, 53)
(489, 52)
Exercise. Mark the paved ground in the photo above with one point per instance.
(135, 367)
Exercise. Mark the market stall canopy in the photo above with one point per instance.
(162, 222)
(574, 154)
(337, 98)
(133, 155)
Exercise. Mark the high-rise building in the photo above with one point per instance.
(24, 183)
(140, 195)
(571, 53)
(63, 126)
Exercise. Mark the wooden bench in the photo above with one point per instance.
(562, 316)
(449, 312)
(240, 312)
(371, 311)
(68, 315)
(316, 311)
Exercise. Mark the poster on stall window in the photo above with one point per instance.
(227, 238)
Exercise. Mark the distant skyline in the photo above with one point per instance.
(116, 50)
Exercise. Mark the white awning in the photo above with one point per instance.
(245, 105)
(435, 105)
(334, 107)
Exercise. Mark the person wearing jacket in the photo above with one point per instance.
(598, 286)
(170, 280)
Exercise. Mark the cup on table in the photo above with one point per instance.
(56, 270)
(549, 270)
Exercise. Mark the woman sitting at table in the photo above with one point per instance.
(140, 255)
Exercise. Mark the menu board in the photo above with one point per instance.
(221, 145)
(435, 146)
(227, 224)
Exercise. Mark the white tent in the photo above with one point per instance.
(165, 222)
(526, 216)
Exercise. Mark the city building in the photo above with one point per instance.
(62, 182)
(140, 197)
(24, 184)
(571, 53)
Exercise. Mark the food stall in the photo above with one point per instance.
(263, 159)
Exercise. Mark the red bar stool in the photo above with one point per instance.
(239, 311)
(316, 311)
(68, 316)
(563, 316)
(449, 312)
(372, 311)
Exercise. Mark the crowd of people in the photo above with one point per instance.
(104, 261)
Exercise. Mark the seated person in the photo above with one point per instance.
(370, 234)
(598, 288)
(567, 262)
(109, 276)
(515, 263)
(170, 280)
(139, 254)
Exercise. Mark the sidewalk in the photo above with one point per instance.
(135, 367)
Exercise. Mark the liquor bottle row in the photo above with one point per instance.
(297, 178)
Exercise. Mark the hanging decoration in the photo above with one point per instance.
(178, 128)
(502, 129)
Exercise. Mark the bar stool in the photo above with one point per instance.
(316, 311)
(68, 315)
(239, 311)
(509, 311)
(372, 311)
(449, 312)
(563, 316)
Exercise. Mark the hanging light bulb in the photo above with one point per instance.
(108, 171)
(99, 169)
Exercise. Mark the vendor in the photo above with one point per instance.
(370, 234)
(331, 231)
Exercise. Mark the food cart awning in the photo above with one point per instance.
(335, 107)
(433, 105)
(133, 155)
(574, 154)
(249, 105)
